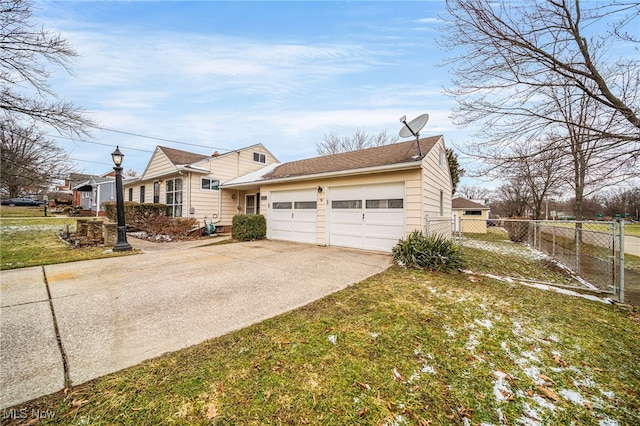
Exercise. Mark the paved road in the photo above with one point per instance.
(114, 313)
(632, 245)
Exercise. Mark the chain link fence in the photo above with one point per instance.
(593, 251)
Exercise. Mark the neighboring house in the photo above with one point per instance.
(189, 183)
(469, 216)
(366, 199)
(90, 195)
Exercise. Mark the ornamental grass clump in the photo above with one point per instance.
(433, 253)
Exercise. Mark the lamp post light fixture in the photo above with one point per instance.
(122, 244)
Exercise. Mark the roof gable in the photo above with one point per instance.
(179, 157)
(397, 153)
(463, 203)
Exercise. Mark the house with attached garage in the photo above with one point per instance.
(366, 199)
(189, 183)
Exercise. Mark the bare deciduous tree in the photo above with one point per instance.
(511, 199)
(333, 144)
(25, 95)
(472, 192)
(508, 52)
(29, 161)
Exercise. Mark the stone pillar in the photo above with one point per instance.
(94, 230)
(81, 227)
(110, 234)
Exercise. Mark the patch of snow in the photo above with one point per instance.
(517, 328)
(333, 339)
(415, 376)
(449, 331)
(428, 369)
(543, 402)
(572, 396)
(530, 356)
(505, 347)
(399, 420)
(608, 394)
(553, 338)
(466, 421)
(608, 422)
(587, 382)
(374, 335)
(472, 343)
(565, 291)
(531, 417)
(533, 373)
(485, 323)
(501, 390)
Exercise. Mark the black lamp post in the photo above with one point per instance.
(122, 244)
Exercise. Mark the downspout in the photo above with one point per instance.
(219, 218)
(183, 203)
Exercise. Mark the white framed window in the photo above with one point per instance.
(130, 194)
(346, 204)
(391, 203)
(173, 196)
(259, 157)
(209, 184)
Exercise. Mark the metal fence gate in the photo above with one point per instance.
(593, 251)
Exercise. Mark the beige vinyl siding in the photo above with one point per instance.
(436, 178)
(411, 178)
(203, 202)
(159, 165)
(148, 190)
(473, 224)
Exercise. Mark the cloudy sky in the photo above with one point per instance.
(224, 75)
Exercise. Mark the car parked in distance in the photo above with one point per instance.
(22, 202)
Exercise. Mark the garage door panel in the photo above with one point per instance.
(294, 216)
(369, 217)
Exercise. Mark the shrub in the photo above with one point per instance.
(176, 228)
(135, 214)
(434, 253)
(247, 227)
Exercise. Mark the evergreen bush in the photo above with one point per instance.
(433, 253)
(248, 227)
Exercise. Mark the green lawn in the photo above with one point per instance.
(402, 347)
(34, 241)
(632, 229)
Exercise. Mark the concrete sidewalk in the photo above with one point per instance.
(114, 313)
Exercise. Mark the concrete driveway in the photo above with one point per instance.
(110, 314)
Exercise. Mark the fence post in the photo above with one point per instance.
(553, 247)
(578, 238)
(614, 284)
(621, 261)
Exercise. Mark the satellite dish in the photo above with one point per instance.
(413, 128)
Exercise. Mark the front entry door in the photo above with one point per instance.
(252, 204)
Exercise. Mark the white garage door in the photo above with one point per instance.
(367, 217)
(293, 216)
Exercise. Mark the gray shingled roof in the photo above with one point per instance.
(178, 157)
(403, 152)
